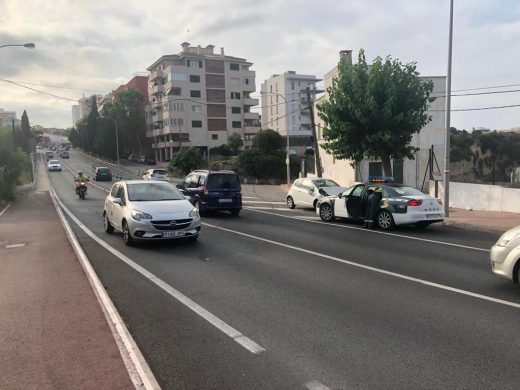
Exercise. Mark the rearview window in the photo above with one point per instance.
(217, 180)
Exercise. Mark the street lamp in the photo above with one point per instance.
(446, 175)
(117, 139)
(26, 45)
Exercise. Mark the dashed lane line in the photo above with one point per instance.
(5, 209)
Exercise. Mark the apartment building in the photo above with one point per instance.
(198, 98)
(7, 117)
(285, 107)
(84, 106)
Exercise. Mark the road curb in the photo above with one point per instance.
(469, 226)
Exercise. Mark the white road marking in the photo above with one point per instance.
(5, 209)
(315, 385)
(247, 343)
(15, 246)
(370, 268)
(318, 220)
(268, 208)
(249, 197)
(261, 202)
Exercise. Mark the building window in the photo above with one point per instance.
(234, 66)
(235, 95)
(292, 85)
(174, 91)
(194, 63)
(214, 136)
(195, 124)
(176, 106)
(194, 78)
(174, 122)
(234, 81)
(179, 76)
(195, 94)
(236, 125)
(247, 81)
(196, 109)
(236, 110)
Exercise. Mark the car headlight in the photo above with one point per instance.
(137, 215)
(194, 213)
(506, 239)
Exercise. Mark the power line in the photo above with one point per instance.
(482, 108)
(476, 93)
(36, 90)
(55, 86)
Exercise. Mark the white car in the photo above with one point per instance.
(156, 174)
(150, 210)
(505, 255)
(54, 165)
(308, 191)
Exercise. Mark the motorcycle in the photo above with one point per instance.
(81, 189)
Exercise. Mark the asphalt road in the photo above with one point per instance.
(325, 305)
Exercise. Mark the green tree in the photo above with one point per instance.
(186, 160)
(92, 126)
(269, 142)
(13, 164)
(373, 111)
(235, 143)
(460, 145)
(254, 163)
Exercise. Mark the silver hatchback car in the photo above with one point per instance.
(505, 255)
(150, 210)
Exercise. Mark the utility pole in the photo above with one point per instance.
(448, 125)
(14, 136)
(314, 135)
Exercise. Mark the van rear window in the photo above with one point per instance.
(221, 180)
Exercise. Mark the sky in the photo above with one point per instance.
(95, 46)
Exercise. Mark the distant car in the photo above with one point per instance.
(306, 192)
(54, 165)
(213, 190)
(156, 174)
(505, 255)
(48, 155)
(132, 157)
(401, 205)
(141, 159)
(64, 154)
(150, 210)
(102, 173)
(150, 161)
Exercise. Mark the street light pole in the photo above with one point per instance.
(26, 45)
(448, 125)
(117, 139)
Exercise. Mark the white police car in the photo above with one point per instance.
(400, 205)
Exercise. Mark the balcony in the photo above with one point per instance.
(156, 74)
(251, 129)
(157, 89)
(250, 102)
(251, 116)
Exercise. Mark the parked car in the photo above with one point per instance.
(306, 192)
(48, 155)
(401, 205)
(156, 174)
(505, 255)
(132, 157)
(213, 190)
(102, 173)
(64, 154)
(150, 161)
(141, 159)
(54, 165)
(150, 210)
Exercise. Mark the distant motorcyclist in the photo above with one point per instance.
(80, 179)
(372, 206)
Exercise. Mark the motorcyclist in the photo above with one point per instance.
(372, 206)
(80, 179)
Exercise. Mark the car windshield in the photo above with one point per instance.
(103, 170)
(160, 172)
(146, 192)
(223, 181)
(397, 191)
(325, 183)
(54, 162)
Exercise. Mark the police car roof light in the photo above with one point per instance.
(381, 179)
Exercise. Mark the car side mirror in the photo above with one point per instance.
(118, 201)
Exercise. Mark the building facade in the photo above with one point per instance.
(414, 172)
(85, 105)
(7, 117)
(75, 114)
(198, 98)
(285, 108)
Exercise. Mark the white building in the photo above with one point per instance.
(75, 114)
(409, 172)
(85, 105)
(7, 117)
(198, 98)
(285, 108)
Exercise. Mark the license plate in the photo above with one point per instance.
(175, 233)
(433, 216)
(225, 200)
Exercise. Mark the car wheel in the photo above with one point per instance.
(326, 213)
(385, 220)
(108, 226)
(234, 212)
(290, 202)
(127, 237)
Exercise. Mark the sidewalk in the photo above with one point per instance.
(487, 221)
(53, 333)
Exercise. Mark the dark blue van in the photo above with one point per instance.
(213, 190)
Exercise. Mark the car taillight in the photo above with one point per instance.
(206, 192)
(440, 201)
(414, 202)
